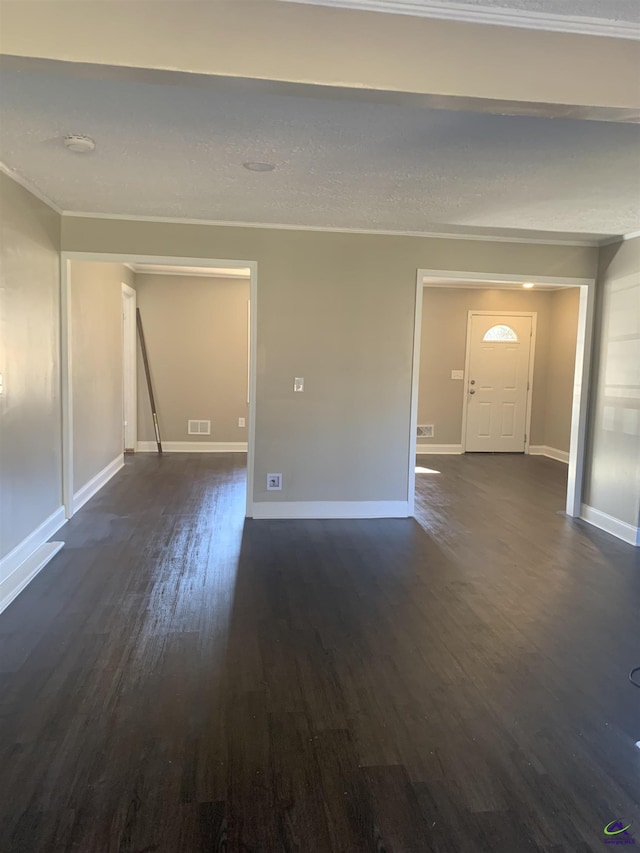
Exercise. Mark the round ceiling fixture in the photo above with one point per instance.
(79, 144)
(528, 284)
(259, 167)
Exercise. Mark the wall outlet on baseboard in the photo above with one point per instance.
(241, 422)
(425, 431)
(274, 482)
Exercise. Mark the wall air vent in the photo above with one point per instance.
(424, 431)
(199, 427)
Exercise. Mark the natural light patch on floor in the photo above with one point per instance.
(421, 470)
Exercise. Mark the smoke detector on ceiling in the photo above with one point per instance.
(79, 144)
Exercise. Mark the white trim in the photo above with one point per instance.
(577, 451)
(126, 258)
(620, 238)
(86, 492)
(451, 449)
(129, 367)
(66, 384)
(26, 572)
(551, 452)
(24, 561)
(532, 351)
(581, 388)
(415, 386)
(27, 185)
(180, 272)
(541, 240)
(253, 374)
(620, 529)
(193, 447)
(449, 10)
(331, 509)
(433, 278)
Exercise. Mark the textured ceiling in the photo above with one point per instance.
(177, 151)
(610, 10)
(620, 11)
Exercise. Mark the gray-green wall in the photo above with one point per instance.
(30, 431)
(337, 309)
(96, 347)
(196, 331)
(612, 485)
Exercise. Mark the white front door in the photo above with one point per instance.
(497, 382)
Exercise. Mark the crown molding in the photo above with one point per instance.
(27, 185)
(497, 16)
(620, 238)
(539, 240)
(276, 226)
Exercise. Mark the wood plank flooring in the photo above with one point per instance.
(180, 681)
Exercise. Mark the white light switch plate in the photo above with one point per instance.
(241, 422)
(298, 383)
(457, 374)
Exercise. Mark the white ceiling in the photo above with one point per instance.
(177, 151)
(603, 17)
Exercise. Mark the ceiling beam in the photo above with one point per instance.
(336, 52)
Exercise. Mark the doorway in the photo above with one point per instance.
(498, 381)
(128, 303)
(580, 382)
(129, 370)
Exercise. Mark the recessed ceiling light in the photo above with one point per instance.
(528, 285)
(259, 167)
(79, 144)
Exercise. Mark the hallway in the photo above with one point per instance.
(177, 680)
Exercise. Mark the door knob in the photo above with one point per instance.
(472, 391)
(473, 382)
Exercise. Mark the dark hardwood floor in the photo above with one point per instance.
(178, 680)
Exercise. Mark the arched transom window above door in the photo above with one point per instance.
(501, 332)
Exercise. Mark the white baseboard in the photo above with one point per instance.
(331, 509)
(551, 452)
(621, 529)
(24, 562)
(453, 449)
(94, 485)
(193, 447)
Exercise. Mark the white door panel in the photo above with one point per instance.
(499, 354)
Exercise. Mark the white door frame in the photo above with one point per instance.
(129, 368)
(532, 354)
(67, 353)
(577, 448)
